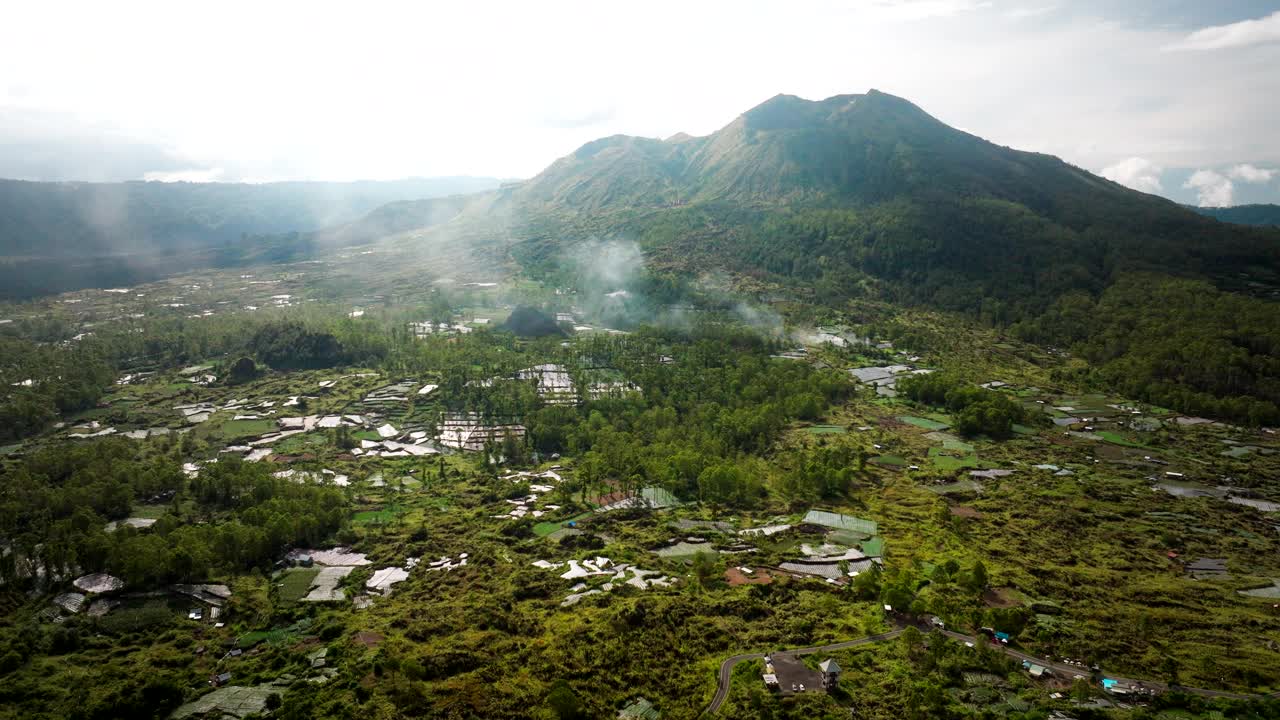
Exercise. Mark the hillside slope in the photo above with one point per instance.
(65, 236)
(1262, 215)
(77, 219)
(833, 193)
(868, 195)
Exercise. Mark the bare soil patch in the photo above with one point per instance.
(736, 577)
(368, 639)
(1000, 598)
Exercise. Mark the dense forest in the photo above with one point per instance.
(55, 505)
(1266, 215)
(977, 411)
(1179, 343)
(868, 197)
(1003, 265)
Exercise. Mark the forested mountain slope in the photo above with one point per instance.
(827, 193)
(63, 236)
(73, 218)
(868, 194)
(1264, 214)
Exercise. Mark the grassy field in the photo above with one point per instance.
(149, 512)
(372, 517)
(543, 529)
(826, 429)
(295, 583)
(246, 428)
(949, 463)
(276, 636)
(925, 423)
(1116, 438)
(891, 460)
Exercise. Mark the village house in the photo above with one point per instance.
(639, 709)
(830, 673)
(788, 675)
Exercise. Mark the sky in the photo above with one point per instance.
(1180, 97)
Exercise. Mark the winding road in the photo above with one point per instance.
(726, 667)
(1063, 670)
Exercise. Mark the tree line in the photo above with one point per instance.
(55, 505)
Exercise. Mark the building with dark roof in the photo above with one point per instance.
(790, 676)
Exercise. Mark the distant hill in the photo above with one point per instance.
(71, 218)
(1263, 215)
(830, 195)
(869, 196)
(61, 236)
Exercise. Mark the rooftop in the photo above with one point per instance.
(793, 675)
(840, 522)
(640, 708)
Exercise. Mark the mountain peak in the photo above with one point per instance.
(790, 112)
(785, 112)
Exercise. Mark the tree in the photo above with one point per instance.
(290, 345)
(910, 639)
(978, 579)
(243, 370)
(866, 586)
(564, 701)
(703, 568)
(898, 597)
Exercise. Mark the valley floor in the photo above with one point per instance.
(405, 512)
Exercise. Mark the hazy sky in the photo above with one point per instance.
(1180, 97)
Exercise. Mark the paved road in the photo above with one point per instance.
(1063, 670)
(1068, 671)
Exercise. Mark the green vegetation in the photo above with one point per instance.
(827, 429)
(295, 584)
(717, 424)
(57, 237)
(549, 524)
(1265, 215)
(977, 411)
(923, 422)
(56, 503)
(869, 197)
(1178, 343)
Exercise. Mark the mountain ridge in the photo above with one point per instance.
(80, 218)
(68, 235)
(900, 181)
(1258, 214)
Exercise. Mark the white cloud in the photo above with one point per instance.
(1028, 12)
(1212, 188)
(1238, 34)
(922, 9)
(1137, 173)
(193, 176)
(487, 87)
(1251, 174)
